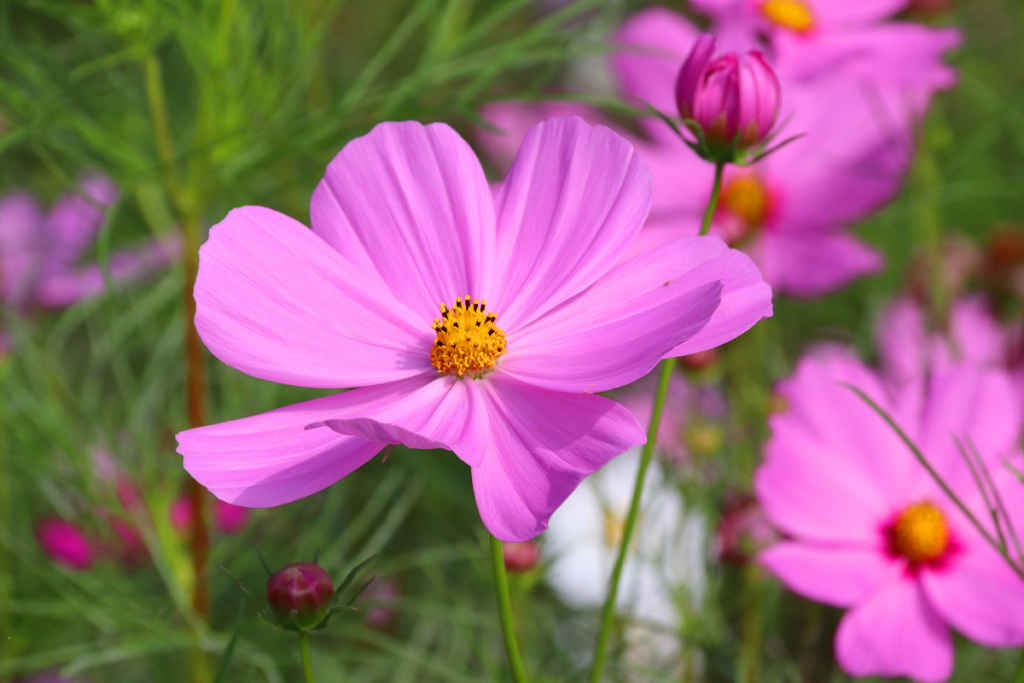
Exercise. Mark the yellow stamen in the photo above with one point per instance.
(746, 197)
(792, 14)
(920, 533)
(614, 528)
(468, 341)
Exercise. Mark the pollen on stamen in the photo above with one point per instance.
(474, 342)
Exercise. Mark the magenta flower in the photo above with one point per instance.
(65, 543)
(732, 100)
(869, 530)
(39, 251)
(480, 323)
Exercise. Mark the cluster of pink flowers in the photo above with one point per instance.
(40, 250)
(852, 83)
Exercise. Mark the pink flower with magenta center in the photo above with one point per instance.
(733, 99)
(481, 323)
(870, 530)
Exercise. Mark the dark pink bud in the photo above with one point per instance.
(65, 543)
(300, 594)
(700, 360)
(733, 99)
(521, 557)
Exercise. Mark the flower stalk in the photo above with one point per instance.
(195, 394)
(307, 659)
(505, 612)
(716, 190)
(608, 611)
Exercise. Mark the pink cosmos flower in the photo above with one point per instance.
(39, 250)
(733, 98)
(791, 211)
(869, 530)
(65, 543)
(901, 61)
(480, 323)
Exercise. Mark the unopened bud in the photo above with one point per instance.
(300, 595)
(520, 557)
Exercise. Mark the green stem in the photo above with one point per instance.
(716, 188)
(608, 611)
(307, 660)
(505, 612)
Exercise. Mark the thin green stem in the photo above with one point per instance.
(608, 611)
(505, 612)
(307, 660)
(716, 189)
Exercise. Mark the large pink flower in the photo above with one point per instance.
(404, 222)
(791, 211)
(868, 528)
(40, 250)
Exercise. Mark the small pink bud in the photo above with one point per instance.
(65, 543)
(731, 100)
(228, 518)
(520, 557)
(700, 360)
(300, 594)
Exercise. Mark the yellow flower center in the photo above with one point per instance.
(614, 528)
(747, 198)
(920, 533)
(468, 341)
(791, 14)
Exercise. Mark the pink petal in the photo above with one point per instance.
(287, 454)
(74, 220)
(618, 330)
(978, 406)
(408, 206)
(834, 471)
(830, 574)
(651, 46)
(446, 412)
(21, 220)
(515, 118)
(574, 199)
(896, 633)
(746, 298)
(979, 595)
(542, 445)
(833, 13)
(810, 263)
(275, 301)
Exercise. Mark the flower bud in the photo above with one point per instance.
(520, 557)
(730, 102)
(743, 530)
(930, 8)
(300, 595)
(65, 543)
